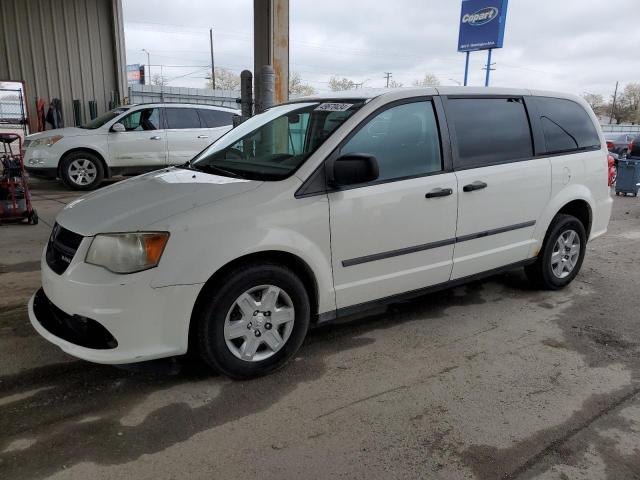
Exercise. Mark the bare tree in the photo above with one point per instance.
(225, 80)
(596, 102)
(158, 80)
(298, 87)
(429, 80)
(337, 84)
(628, 107)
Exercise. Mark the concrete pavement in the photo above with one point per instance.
(491, 380)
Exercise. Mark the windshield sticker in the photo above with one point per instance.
(333, 107)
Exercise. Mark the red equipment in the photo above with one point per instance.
(612, 170)
(15, 197)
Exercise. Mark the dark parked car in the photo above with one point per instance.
(619, 143)
(634, 147)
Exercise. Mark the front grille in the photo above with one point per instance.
(61, 248)
(81, 331)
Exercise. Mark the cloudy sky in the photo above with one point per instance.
(568, 45)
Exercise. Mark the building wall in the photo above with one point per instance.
(67, 49)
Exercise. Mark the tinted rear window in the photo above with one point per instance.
(182, 118)
(490, 131)
(215, 118)
(566, 125)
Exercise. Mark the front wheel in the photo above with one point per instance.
(254, 322)
(82, 171)
(562, 254)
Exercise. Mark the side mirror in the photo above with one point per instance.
(118, 127)
(353, 168)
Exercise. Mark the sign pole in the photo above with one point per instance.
(466, 70)
(486, 81)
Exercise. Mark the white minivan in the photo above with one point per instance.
(323, 208)
(128, 140)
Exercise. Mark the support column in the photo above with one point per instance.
(271, 44)
(119, 50)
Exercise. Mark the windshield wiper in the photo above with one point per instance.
(215, 170)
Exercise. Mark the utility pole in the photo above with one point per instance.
(148, 73)
(213, 72)
(388, 76)
(613, 105)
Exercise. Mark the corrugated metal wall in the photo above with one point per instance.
(67, 49)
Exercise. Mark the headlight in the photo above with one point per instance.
(44, 142)
(127, 252)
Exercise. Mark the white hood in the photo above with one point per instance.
(65, 132)
(133, 204)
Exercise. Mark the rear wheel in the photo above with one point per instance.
(254, 322)
(562, 254)
(82, 171)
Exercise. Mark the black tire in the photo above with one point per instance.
(541, 272)
(212, 313)
(82, 156)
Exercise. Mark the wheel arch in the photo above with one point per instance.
(107, 171)
(287, 259)
(581, 210)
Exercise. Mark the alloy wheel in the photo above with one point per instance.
(82, 172)
(566, 253)
(259, 323)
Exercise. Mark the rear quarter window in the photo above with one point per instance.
(216, 118)
(566, 126)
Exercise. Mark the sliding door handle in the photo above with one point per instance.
(439, 192)
(478, 185)
(156, 137)
(203, 136)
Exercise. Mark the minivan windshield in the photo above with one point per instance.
(104, 118)
(273, 144)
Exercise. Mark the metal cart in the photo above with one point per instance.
(15, 197)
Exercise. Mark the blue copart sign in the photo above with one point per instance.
(482, 24)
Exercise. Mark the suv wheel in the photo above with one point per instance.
(562, 254)
(255, 322)
(82, 171)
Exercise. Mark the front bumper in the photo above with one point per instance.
(46, 172)
(42, 161)
(144, 323)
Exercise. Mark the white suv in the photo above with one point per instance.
(127, 140)
(323, 208)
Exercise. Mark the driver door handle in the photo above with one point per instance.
(439, 192)
(155, 137)
(477, 185)
(203, 136)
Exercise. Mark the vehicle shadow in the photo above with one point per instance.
(74, 411)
